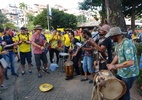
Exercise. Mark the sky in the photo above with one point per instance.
(69, 4)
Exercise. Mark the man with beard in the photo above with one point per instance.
(125, 60)
(104, 46)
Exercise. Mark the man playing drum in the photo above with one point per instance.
(127, 67)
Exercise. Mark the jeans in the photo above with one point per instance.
(88, 63)
(129, 82)
(10, 58)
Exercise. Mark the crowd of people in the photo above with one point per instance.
(96, 50)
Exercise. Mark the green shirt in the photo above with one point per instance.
(126, 50)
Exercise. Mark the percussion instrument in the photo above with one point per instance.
(78, 44)
(69, 68)
(108, 86)
(1, 74)
(63, 55)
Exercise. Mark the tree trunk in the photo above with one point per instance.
(114, 14)
(103, 14)
(133, 18)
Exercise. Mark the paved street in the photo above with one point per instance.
(26, 87)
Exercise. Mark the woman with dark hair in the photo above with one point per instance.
(9, 46)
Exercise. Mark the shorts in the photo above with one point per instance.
(39, 57)
(88, 64)
(24, 56)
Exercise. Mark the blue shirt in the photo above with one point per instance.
(8, 40)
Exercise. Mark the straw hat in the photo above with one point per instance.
(45, 87)
(38, 27)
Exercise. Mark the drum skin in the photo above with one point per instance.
(111, 87)
(69, 68)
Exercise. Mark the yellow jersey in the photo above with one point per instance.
(24, 47)
(48, 37)
(67, 41)
(54, 41)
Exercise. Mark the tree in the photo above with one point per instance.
(114, 15)
(10, 25)
(81, 19)
(59, 19)
(95, 5)
(3, 19)
(30, 17)
(23, 7)
(132, 8)
(30, 25)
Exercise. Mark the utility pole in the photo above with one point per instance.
(49, 16)
(48, 20)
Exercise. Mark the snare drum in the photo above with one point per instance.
(109, 86)
(63, 55)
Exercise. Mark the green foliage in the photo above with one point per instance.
(128, 5)
(41, 19)
(59, 19)
(94, 5)
(139, 83)
(30, 25)
(22, 5)
(81, 19)
(30, 17)
(139, 48)
(12, 26)
(3, 19)
(90, 4)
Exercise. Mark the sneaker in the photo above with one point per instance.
(3, 87)
(30, 71)
(8, 67)
(67, 78)
(84, 79)
(15, 74)
(32, 64)
(91, 81)
(23, 72)
(39, 76)
(46, 71)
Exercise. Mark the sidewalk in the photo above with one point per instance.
(26, 87)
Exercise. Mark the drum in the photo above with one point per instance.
(63, 55)
(69, 68)
(1, 74)
(109, 86)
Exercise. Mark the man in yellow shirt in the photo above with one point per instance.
(25, 49)
(67, 41)
(48, 35)
(54, 46)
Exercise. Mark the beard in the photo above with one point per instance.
(115, 39)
